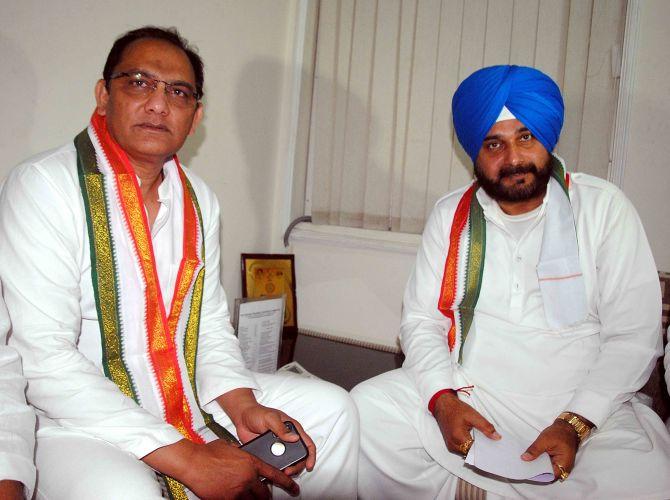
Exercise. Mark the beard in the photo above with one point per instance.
(520, 191)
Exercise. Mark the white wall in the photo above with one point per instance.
(52, 53)
(647, 174)
(351, 281)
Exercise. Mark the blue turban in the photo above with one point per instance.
(533, 98)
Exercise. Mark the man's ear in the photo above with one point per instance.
(197, 118)
(101, 97)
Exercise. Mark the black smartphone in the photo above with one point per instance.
(272, 450)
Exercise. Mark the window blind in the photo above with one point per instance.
(382, 148)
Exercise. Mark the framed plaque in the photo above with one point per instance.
(268, 275)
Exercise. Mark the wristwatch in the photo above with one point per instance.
(581, 428)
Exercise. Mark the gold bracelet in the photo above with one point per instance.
(581, 428)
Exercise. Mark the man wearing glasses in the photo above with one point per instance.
(109, 252)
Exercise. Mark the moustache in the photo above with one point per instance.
(510, 170)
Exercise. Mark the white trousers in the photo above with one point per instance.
(393, 463)
(77, 467)
(403, 455)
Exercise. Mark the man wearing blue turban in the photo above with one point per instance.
(530, 321)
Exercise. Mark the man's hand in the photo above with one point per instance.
(218, 470)
(560, 442)
(456, 418)
(11, 490)
(252, 419)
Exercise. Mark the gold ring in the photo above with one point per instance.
(464, 448)
(563, 474)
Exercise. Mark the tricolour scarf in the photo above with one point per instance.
(148, 352)
(559, 272)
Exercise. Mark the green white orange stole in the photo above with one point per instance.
(559, 272)
(148, 352)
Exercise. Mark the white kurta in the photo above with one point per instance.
(17, 420)
(525, 374)
(46, 268)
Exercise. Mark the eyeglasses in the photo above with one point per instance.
(141, 85)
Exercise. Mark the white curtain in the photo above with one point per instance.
(382, 148)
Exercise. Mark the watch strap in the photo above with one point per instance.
(577, 423)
